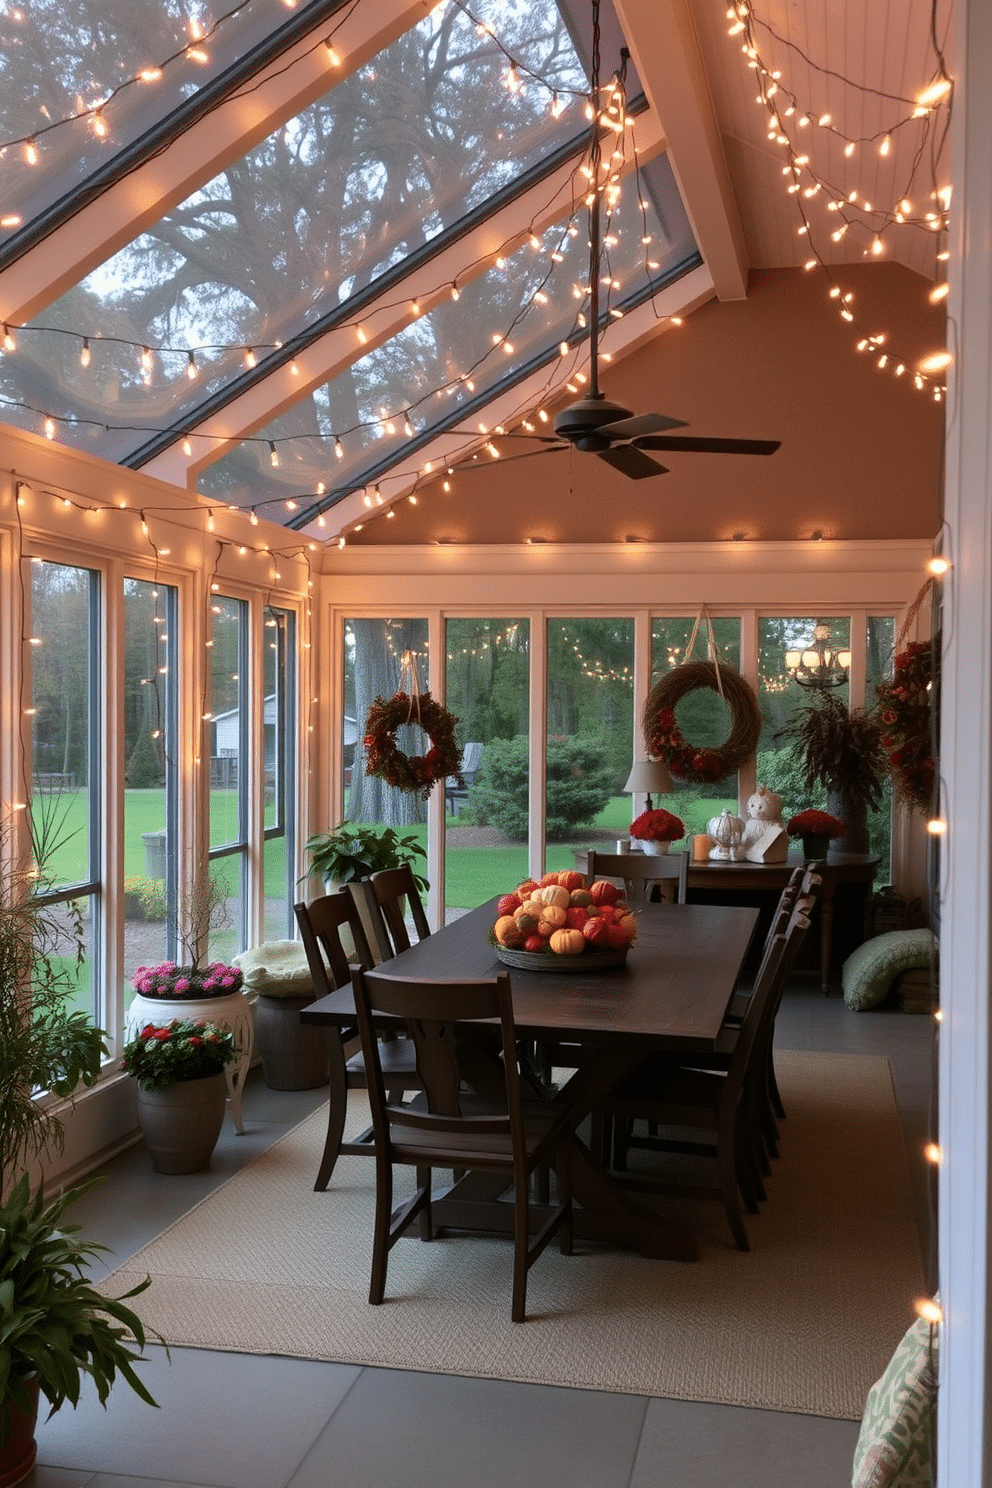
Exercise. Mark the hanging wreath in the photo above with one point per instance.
(416, 773)
(665, 740)
(905, 714)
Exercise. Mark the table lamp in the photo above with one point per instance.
(649, 775)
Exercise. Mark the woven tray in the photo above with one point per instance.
(548, 961)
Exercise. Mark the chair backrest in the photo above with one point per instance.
(321, 922)
(395, 893)
(430, 1010)
(642, 871)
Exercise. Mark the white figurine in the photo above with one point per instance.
(764, 838)
(726, 831)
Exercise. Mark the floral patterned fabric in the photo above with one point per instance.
(896, 1445)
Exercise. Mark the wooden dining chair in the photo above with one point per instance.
(707, 1109)
(642, 873)
(321, 924)
(659, 1089)
(458, 1130)
(396, 896)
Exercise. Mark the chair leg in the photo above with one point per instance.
(521, 1235)
(336, 1108)
(727, 1150)
(380, 1231)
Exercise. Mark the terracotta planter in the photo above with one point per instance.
(294, 1054)
(181, 1123)
(20, 1449)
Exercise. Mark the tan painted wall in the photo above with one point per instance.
(860, 454)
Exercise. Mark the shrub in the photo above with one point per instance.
(579, 785)
(144, 898)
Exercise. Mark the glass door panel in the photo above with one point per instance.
(487, 679)
(589, 747)
(702, 716)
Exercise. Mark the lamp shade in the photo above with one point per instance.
(651, 776)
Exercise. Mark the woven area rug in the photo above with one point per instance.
(805, 1322)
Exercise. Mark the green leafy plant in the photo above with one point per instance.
(167, 1054)
(45, 1043)
(54, 1325)
(352, 851)
(144, 898)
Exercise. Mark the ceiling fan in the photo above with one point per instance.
(595, 425)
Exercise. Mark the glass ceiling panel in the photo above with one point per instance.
(60, 58)
(447, 358)
(379, 167)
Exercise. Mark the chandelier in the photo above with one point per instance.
(819, 664)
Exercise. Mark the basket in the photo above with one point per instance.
(548, 961)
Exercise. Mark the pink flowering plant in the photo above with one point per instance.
(187, 982)
(657, 826)
(167, 1054)
(812, 823)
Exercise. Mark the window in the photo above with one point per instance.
(65, 758)
(150, 773)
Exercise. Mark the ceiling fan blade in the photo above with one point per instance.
(630, 462)
(640, 423)
(703, 446)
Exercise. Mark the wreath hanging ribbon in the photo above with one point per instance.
(664, 739)
(384, 759)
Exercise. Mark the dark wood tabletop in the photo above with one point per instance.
(674, 987)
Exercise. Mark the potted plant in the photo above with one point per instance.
(56, 1327)
(46, 1044)
(353, 851)
(179, 1067)
(655, 829)
(816, 828)
(840, 751)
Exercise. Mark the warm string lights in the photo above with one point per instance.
(196, 50)
(801, 132)
(386, 421)
(614, 120)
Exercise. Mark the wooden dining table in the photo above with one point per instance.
(671, 992)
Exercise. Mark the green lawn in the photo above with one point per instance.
(473, 874)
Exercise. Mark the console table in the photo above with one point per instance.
(714, 879)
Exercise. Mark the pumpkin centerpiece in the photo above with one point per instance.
(563, 923)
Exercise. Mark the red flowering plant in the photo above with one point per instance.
(187, 983)
(905, 716)
(657, 826)
(812, 823)
(168, 1054)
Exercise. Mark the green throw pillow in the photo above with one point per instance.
(869, 972)
(896, 1444)
(276, 969)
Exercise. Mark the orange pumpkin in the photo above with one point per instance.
(507, 931)
(604, 892)
(568, 942)
(552, 919)
(569, 879)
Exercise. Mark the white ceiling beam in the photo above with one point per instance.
(289, 84)
(545, 203)
(622, 337)
(663, 45)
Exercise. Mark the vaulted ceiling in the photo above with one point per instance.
(307, 260)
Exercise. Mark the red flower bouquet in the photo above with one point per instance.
(812, 823)
(657, 826)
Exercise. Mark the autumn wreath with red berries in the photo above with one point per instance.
(701, 763)
(416, 773)
(905, 716)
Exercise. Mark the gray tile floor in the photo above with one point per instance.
(244, 1421)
